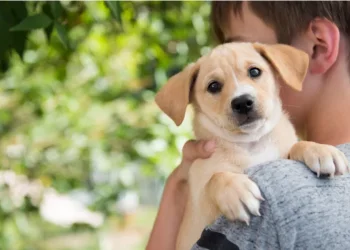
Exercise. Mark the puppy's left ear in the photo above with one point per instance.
(174, 96)
(291, 64)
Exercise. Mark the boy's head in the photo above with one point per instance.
(322, 29)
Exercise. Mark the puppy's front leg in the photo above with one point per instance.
(320, 158)
(232, 193)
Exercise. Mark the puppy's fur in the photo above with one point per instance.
(218, 185)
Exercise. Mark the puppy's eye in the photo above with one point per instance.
(254, 72)
(214, 87)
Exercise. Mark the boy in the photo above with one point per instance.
(300, 211)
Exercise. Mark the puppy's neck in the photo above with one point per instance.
(205, 128)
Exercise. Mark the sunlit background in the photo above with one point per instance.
(84, 149)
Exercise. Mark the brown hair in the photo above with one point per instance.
(287, 18)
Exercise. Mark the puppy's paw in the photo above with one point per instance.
(235, 195)
(320, 158)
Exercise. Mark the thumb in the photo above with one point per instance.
(193, 150)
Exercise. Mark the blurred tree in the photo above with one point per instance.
(76, 99)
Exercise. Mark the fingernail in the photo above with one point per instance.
(209, 146)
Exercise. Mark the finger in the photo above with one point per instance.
(193, 150)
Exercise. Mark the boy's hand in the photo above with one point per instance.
(191, 151)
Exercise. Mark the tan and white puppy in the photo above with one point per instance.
(234, 91)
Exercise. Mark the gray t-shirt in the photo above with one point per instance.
(301, 211)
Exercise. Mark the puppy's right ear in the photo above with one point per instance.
(290, 63)
(174, 96)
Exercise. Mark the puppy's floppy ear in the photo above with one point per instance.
(291, 64)
(174, 96)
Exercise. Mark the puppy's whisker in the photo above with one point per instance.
(293, 106)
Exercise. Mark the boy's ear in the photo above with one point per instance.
(290, 63)
(174, 96)
(324, 35)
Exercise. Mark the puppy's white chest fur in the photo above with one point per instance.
(263, 152)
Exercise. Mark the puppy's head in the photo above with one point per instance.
(235, 86)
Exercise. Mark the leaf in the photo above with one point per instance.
(115, 8)
(19, 10)
(37, 21)
(48, 32)
(4, 65)
(19, 42)
(6, 13)
(56, 9)
(4, 42)
(62, 34)
(47, 10)
(10, 14)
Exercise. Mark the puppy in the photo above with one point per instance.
(234, 91)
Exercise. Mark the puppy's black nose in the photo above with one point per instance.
(243, 104)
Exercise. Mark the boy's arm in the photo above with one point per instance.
(168, 220)
(172, 205)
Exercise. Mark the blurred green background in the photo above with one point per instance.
(84, 149)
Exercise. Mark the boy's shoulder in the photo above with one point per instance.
(287, 185)
(284, 173)
(300, 211)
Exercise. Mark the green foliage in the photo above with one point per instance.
(115, 8)
(10, 14)
(37, 21)
(76, 100)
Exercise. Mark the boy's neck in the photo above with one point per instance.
(329, 119)
(333, 131)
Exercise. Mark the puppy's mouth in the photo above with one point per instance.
(246, 119)
(250, 122)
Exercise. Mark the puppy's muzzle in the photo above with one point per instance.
(243, 108)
